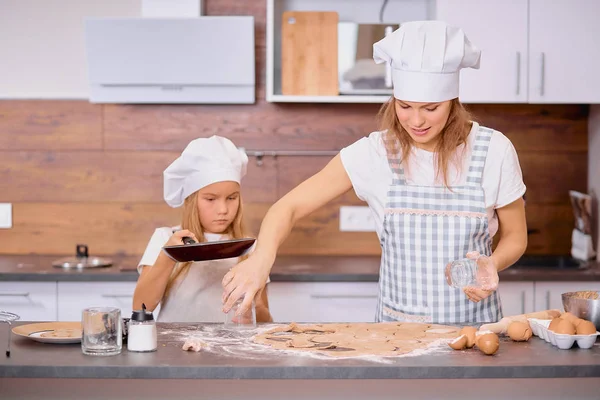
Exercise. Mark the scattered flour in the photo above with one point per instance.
(238, 343)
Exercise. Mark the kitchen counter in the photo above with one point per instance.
(286, 269)
(534, 362)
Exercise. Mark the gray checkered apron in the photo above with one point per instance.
(424, 228)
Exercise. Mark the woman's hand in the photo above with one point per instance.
(487, 278)
(176, 237)
(245, 280)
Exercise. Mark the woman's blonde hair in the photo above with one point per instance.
(398, 141)
(190, 220)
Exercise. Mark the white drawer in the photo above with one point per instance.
(323, 301)
(32, 301)
(73, 297)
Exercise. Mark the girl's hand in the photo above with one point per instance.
(245, 280)
(487, 278)
(176, 238)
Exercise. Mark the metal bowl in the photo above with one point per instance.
(582, 308)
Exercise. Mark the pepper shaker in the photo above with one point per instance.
(142, 335)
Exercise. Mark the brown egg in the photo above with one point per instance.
(488, 343)
(565, 327)
(459, 343)
(554, 313)
(577, 322)
(519, 331)
(554, 323)
(469, 332)
(585, 328)
(569, 317)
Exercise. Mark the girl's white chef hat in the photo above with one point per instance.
(426, 58)
(204, 161)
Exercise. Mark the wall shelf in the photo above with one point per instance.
(359, 11)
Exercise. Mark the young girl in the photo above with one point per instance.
(205, 179)
(439, 187)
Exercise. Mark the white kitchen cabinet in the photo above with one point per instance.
(548, 295)
(499, 30)
(564, 52)
(32, 301)
(323, 301)
(73, 297)
(516, 297)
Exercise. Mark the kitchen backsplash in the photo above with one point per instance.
(77, 172)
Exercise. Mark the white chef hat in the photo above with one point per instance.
(426, 58)
(204, 161)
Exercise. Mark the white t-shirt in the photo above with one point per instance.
(367, 167)
(195, 296)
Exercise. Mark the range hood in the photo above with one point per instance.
(203, 60)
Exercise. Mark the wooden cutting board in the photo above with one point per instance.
(309, 52)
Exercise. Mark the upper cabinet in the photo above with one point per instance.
(499, 30)
(564, 51)
(533, 51)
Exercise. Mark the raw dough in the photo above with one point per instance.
(356, 339)
(193, 345)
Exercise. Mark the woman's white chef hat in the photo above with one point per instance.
(426, 58)
(204, 161)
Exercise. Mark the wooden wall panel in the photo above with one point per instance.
(262, 127)
(294, 170)
(50, 125)
(107, 177)
(550, 176)
(551, 227)
(537, 127)
(107, 228)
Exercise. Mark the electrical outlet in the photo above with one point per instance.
(5, 215)
(356, 219)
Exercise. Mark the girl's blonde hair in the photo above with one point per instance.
(191, 221)
(398, 141)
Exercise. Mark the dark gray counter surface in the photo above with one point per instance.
(534, 359)
(286, 269)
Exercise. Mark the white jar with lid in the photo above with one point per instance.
(141, 335)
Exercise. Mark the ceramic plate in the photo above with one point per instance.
(50, 332)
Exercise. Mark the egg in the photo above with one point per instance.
(577, 322)
(519, 331)
(585, 328)
(569, 317)
(554, 323)
(459, 343)
(553, 313)
(488, 343)
(469, 332)
(564, 327)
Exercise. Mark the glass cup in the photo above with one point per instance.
(461, 273)
(102, 331)
(246, 320)
(477, 272)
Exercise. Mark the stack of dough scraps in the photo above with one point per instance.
(193, 344)
(356, 339)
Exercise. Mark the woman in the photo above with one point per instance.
(439, 187)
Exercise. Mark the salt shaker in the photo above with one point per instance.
(141, 335)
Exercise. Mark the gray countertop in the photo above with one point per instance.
(286, 269)
(533, 359)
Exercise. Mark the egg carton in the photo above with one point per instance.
(539, 327)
